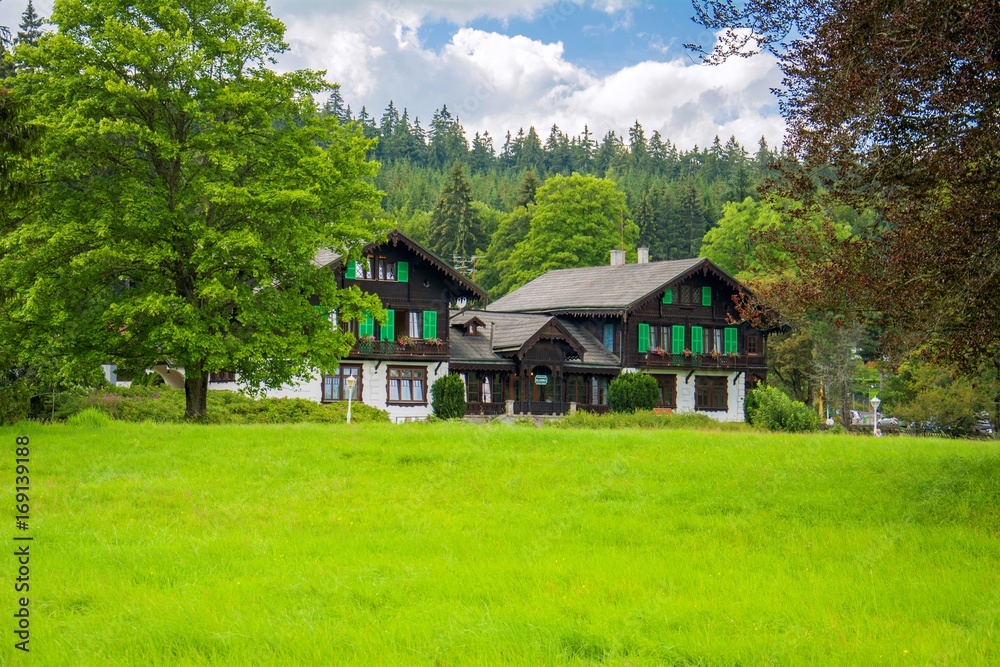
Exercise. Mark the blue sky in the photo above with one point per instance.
(505, 65)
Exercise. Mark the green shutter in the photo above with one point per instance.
(352, 270)
(677, 339)
(697, 341)
(430, 324)
(731, 340)
(643, 338)
(366, 327)
(668, 296)
(388, 330)
(706, 296)
(403, 272)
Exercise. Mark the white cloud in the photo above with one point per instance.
(499, 82)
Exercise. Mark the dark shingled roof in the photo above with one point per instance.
(596, 287)
(510, 332)
(326, 257)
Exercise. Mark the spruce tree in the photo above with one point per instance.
(31, 26)
(456, 228)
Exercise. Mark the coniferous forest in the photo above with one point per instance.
(673, 194)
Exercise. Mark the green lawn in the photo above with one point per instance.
(457, 544)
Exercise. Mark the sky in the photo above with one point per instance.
(502, 66)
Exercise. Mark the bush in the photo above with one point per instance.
(774, 410)
(89, 418)
(448, 397)
(633, 391)
(138, 404)
(646, 419)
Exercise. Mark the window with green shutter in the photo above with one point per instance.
(430, 324)
(352, 270)
(697, 340)
(731, 340)
(706, 296)
(403, 272)
(677, 339)
(366, 327)
(643, 338)
(388, 330)
(668, 296)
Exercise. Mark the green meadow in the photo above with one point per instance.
(452, 544)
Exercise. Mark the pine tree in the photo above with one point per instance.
(31, 26)
(526, 192)
(456, 228)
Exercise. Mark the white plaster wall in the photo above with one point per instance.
(685, 396)
(376, 389)
(309, 389)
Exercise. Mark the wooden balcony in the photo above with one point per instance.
(722, 362)
(393, 349)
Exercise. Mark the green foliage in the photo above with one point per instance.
(89, 418)
(140, 404)
(755, 240)
(456, 229)
(942, 399)
(772, 409)
(633, 391)
(187, 189)
(448, 397)
(643, 419)
(575, 221)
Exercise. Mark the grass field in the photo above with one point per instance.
(454, 544)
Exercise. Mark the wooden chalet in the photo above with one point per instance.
(674, 319)
(395, 363)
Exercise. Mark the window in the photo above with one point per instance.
(668, 390)
(576, 389)
(335, 384)
(407, 385)
(711, 393)
(713, 341)
(599, 391)
(753, 344)
(413, 327)
(659, 337)
(685, 294)
(222, 376)
(379, 268)
(609, 336)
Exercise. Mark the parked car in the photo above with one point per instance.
(982, 426)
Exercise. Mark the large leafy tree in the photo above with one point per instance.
(184, 188)
(575, 221)
(903, 100)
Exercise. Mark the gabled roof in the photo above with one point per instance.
(327, 257)
(602, 288)
(509, 335)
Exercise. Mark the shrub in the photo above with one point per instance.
(633, 391)
(162, 404)
(448, 397)
(774, 410)
(89, 418)
(646, 419)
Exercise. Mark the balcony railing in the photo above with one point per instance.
(394, 349)
(735, 362)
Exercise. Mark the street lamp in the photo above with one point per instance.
(351, 381)
(875, 403)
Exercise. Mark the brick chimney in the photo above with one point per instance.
(643, 255)
(617, 258)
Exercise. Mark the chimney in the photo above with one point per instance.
(617, 258)
(643, 255)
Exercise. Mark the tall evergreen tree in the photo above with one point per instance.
(447, 140)
(31, 26)
(456, 228)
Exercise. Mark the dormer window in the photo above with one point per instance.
(471, 329)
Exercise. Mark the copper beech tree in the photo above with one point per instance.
(895, 107)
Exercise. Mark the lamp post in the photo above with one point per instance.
(875, 403)
(351, 381)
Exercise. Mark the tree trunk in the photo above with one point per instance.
(195, 393)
